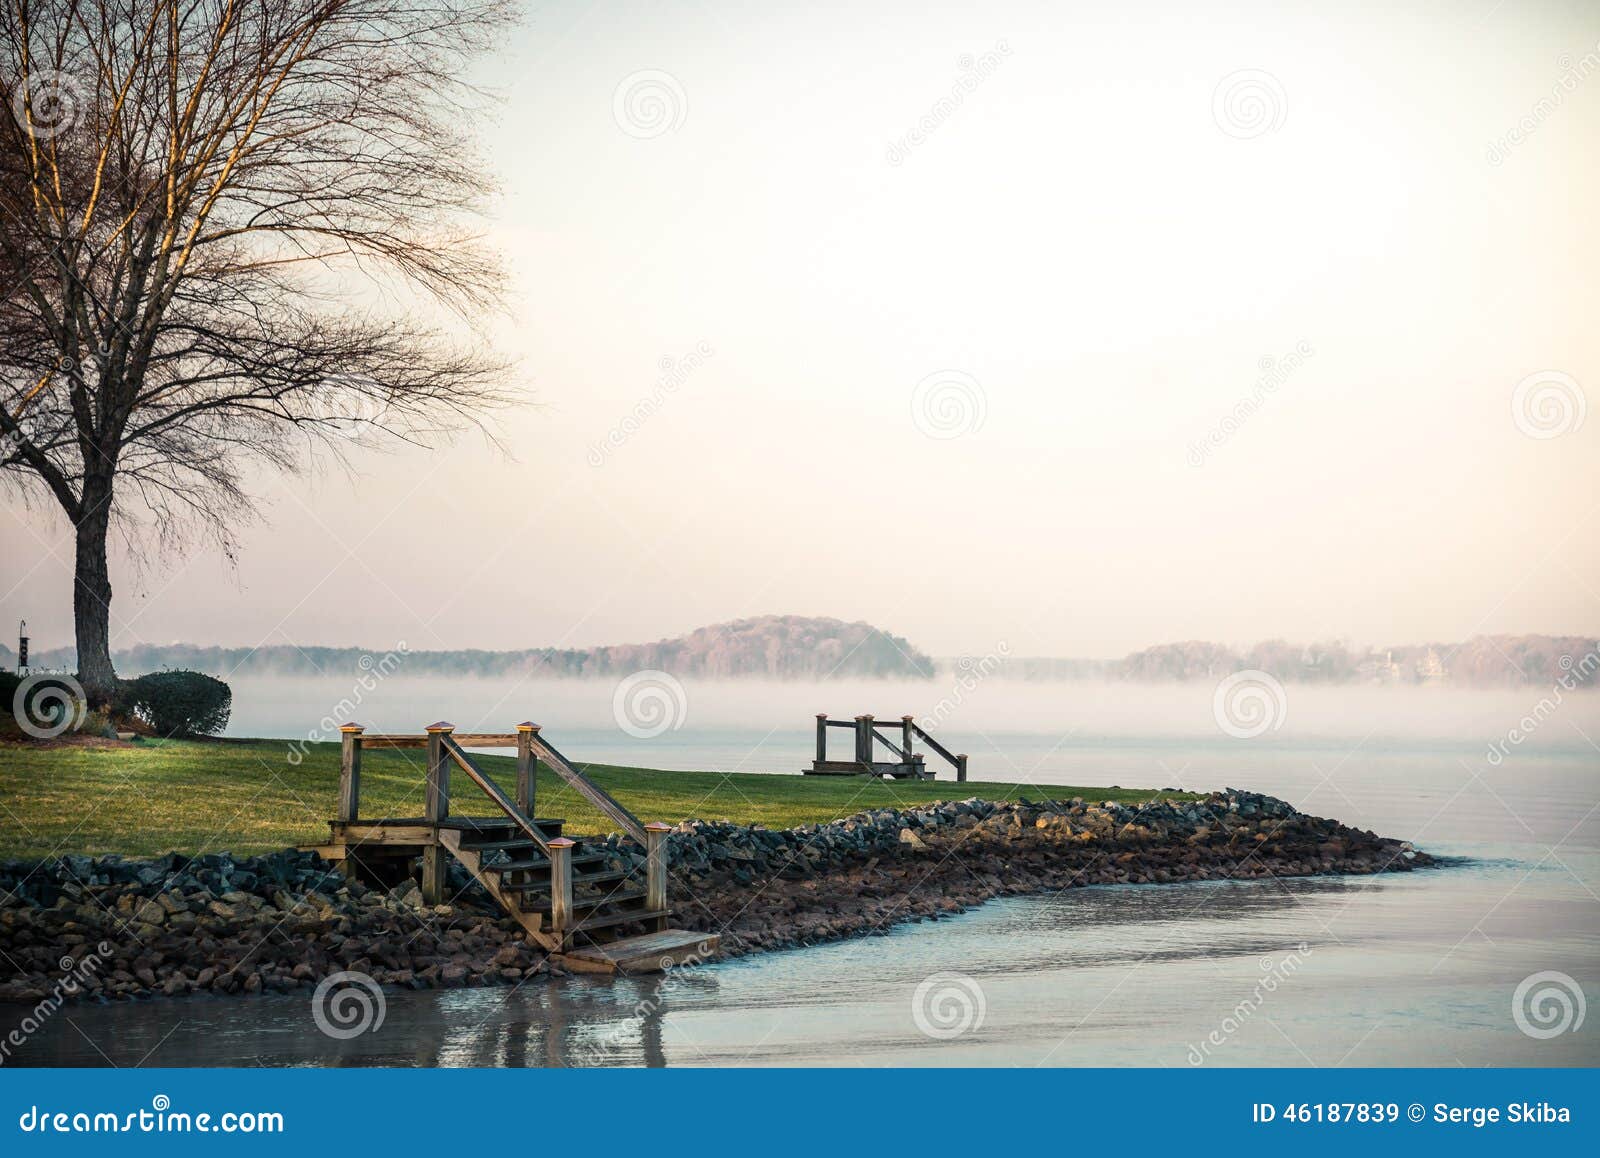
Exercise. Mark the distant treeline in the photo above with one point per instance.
(1482, 661)
(771, 646)
(803, 647)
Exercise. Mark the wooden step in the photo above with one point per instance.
(605, 920)
(578, 880)
(510, 844)
(533, 864)
(538, 904)
(649, 953)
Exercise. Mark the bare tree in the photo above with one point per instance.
(219, 220)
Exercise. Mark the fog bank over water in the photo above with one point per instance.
(1443, 766)
(965, 717)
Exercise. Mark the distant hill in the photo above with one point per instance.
(773, 646)
(1482, 661)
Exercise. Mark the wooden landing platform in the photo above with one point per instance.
(400, 835)
(916, 770)
(650, 953)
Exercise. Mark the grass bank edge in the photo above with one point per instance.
(250, 796)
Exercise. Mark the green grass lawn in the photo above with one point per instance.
(246, 796)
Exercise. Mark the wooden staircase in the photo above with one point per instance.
(594, 908)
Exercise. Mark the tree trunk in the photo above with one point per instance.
(91, 595)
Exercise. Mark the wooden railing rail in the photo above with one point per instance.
(591, 791)
(958, 761)
(496, 795)
(891, 745)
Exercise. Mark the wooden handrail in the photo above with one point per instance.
(465, 739)
(591, 791)
(905, 757)
(494, 793)
(934, 744)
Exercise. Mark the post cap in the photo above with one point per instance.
(527, 726)
(822, 715)
(352, 727)
(961, 755)
(441, 726)
(908, 719)
(657, 826)
(562, 842)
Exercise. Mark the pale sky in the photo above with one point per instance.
(1073, 275)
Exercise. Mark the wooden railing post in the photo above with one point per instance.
(527, 767)
(822, 736)
(350, 772)
(655, 853)
(436, 807)
(905, 735)
(961, 766)
(561, 887)
(864, 729)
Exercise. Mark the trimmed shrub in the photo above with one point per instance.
(180, 703)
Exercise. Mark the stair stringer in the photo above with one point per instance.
(472, 861)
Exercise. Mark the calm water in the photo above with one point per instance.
(1404, 969)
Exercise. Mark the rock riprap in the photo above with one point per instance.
(222, 924)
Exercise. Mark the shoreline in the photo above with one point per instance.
(77, 928)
